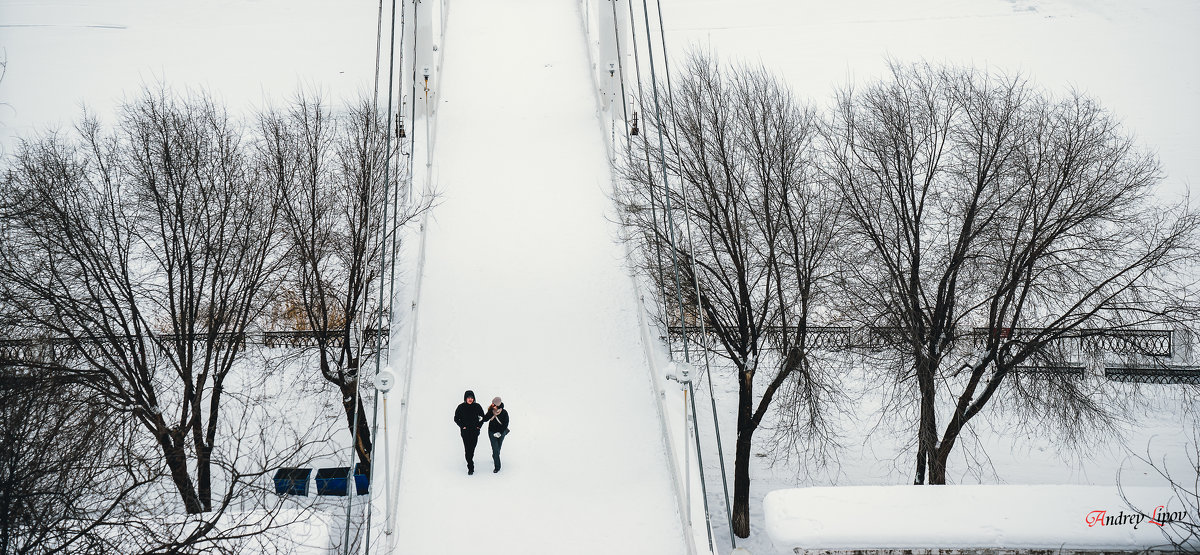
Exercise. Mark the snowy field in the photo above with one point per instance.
(525, 293)
(63, 54)
(996, 451)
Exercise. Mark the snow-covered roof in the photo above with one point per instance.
(972, 516)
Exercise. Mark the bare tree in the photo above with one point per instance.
(753, 233)
(139, 267)
(77, 476)
(330, 170)
(150, 252)
(976, 202)
(60, 465)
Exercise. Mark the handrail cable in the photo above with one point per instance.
(696, 273)
(412, 98)
(387, 260)
(662, 292)
(675, 263)
(629, 154)
(382, 253)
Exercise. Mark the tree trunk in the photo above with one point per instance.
(6, 521)
(741, 457)
(937, 464)
(173, 450)
(927, 429)
(206, 442)
(920, 476)
(741, 485)
(362, 442)
(204, 475)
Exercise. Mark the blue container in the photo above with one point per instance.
(292, 481)
(362, 478)
(333, 481)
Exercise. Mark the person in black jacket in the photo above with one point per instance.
(497, 419)
(469, 417)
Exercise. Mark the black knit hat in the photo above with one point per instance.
(469, 393)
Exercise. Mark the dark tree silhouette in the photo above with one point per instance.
(330, 170)
(976, 202)
(150, 253)
(753, 233)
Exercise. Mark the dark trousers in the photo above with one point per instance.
(496, 443)
(470, 440)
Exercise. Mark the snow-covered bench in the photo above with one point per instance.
(1003, 517)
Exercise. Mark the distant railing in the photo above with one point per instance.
(1122, 341)
(775, 337)
(1056, 360)
(1153, 374)
(17, 348)
(1059, 370)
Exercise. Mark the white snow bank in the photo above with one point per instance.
(971, 516)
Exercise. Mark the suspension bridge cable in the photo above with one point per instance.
(629, 154)
(413, 96)
(371, 129)
(394, 227)
(378, 54)
(675, 261)
(659, 279)
(385, 261)
(381, 251)
(696, 273)
(629, 131)
(395, 487)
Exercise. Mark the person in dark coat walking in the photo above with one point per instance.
(469, 417)
(497, 419)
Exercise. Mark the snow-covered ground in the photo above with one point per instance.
(997, 449)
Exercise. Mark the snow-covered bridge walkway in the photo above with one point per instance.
(525, 295)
